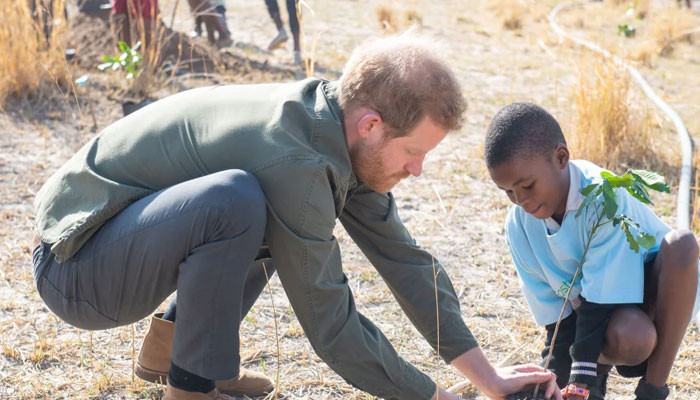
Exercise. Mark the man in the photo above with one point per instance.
(187, 192)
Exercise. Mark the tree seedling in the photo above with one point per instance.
(603, 196)
(129, 60)
(626, 29)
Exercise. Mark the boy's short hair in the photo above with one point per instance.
(403, 79)
(521, 130)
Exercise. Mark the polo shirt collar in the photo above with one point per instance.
(574, 198)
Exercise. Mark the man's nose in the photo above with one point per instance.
(415, 168)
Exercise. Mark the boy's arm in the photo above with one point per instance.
(591, 324)
(542, 300)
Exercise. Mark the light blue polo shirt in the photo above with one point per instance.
(546, 255)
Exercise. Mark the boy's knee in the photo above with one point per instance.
(682, 248)
(631, 337)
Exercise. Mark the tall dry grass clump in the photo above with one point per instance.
(29, 61)
(613, 126)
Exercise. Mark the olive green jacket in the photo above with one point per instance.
(291, 138)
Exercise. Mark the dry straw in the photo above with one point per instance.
(32, 47)
(612, 125)
(661, 31)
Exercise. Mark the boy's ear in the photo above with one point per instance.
(561, 156)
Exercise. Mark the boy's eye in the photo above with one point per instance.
(530, 186)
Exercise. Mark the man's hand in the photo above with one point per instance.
(514, 379)
(497, 383)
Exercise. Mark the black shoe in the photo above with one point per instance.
(597, 392)
(632, 371)
(647, 391)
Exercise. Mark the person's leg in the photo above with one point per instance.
(629, 338)
(274, 11)
(669, 300)
(254, 285)
(219, 15)
(154, 363)
(200, 9)
(198, 237)
(281, 38)
(292, 10)
(120, 21)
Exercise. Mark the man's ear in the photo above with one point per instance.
(561, 156)
(370, 123)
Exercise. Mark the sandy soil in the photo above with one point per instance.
(452, 209)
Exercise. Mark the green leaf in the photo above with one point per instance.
(609, 200)
(618, 181)
(107, 58)
(630, 239)
(639, 192)
(123, 46)
(646, 240)
(586, 201)
(651, 179)
(588, 189)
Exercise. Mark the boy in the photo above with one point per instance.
(626, 309)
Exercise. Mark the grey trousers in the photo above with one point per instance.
(199, 237)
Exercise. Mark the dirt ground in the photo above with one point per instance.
(452, 209)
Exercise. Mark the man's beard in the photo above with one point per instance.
(368, 166)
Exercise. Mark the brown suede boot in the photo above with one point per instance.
(247, 383)
(173, 393)
(153, 363)
(154, 358)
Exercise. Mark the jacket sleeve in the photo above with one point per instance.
(372, 221)
(307, 258)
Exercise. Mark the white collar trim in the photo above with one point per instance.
(574, 198)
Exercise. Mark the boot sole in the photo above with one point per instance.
(150, 375)
(260, 392)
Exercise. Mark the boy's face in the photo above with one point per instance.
(539, 185)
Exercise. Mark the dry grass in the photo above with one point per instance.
(393, 17)
(661, 31)
(30, 63)
(386, 15)
(462, 227)
(612, 126)
(510, 12)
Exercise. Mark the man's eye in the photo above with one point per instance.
(530, 186)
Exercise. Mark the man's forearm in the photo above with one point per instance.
(474, 366)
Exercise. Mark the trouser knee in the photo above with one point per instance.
(237, 202)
